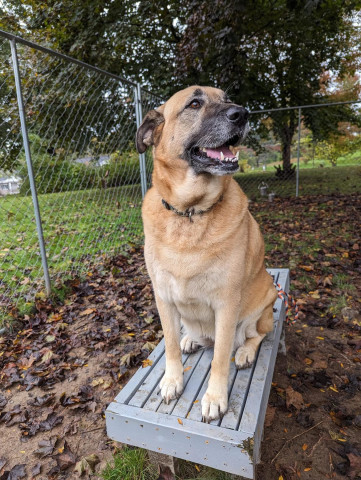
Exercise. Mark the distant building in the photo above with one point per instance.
(9, 185)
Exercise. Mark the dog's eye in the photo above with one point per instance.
(195, 104)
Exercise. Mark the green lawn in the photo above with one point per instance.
(80, 225)
(312, 181)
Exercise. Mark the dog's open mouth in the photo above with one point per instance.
(223, 158)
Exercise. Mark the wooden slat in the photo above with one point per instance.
(236, 400)
(139, 417)
(140, 375)
(197, 379)
(149, 384)
(190, 369)
(155, 398)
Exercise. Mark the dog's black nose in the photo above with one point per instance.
(237, 114)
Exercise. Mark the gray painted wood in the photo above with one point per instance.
(236, 400)
(194, 441)
(150, 383)
(140, 375)
(199, 363)
(139, 417)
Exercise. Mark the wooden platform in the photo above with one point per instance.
(139, 417)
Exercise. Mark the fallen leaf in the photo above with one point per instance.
(17, 472)
(355, 465)
(294, 398)
(270, 415)
(3, 401)
(180, 421)
(43, 401)
(97, 381)
(87, 464)
(88, 311)
(46, 447)
(147, 363)
(65, 459)
(307, 268)
(36, 470)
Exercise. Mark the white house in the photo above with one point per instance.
(9, 185)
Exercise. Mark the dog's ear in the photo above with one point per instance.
(145, 133)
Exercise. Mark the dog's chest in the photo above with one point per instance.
(185, 282)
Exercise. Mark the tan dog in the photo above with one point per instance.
(203, 249)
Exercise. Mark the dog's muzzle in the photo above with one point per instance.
(216, 152)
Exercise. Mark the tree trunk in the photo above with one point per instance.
(286, 156)
(287, 132)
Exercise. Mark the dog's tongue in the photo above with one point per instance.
(216, 152)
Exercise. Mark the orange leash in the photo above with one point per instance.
(290, 304)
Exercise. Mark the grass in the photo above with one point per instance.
(132, 464)
(81, 225)
(312, 181)
(78, 226)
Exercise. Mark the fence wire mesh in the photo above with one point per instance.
(327, 137)
(81, 124)
(149, 101)
(81, 127)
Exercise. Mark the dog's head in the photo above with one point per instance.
(198, 125)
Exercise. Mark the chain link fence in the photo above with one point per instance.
(71, 182)
(79, 123)
(323, 146)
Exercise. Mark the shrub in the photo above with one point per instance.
(54, 173)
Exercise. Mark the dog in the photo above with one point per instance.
(203, 249)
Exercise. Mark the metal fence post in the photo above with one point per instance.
(139, 118)
(298, 152)
(29, 165)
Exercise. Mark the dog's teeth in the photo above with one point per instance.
(204, 150)
(237, 156)
(222, 156)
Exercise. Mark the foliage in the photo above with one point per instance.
(346, 141)
(270, 56)
(58, 173)
(266, 52)
(124, 37)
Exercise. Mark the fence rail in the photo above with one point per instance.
(67, 132)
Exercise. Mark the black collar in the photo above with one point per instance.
(190, 211)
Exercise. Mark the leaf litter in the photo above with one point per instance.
(63, 368)
(68, 362)
(312, 426)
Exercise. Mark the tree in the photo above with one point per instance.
(266, 53)
(272, 54)
(132, 39)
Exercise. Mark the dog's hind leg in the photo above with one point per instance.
(246, 352)
(193, 338)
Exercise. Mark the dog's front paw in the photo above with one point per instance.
(171, 387)
(188, 345)
(214, 405)
(245, 356)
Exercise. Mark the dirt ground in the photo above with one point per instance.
(67, 362)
